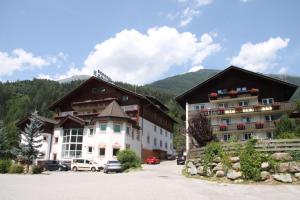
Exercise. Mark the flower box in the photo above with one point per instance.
(221, 111)
(259, 125)
(240, 126)
(213, 95)
(204, 111)
(238, 109)
(232, 93)
(254, 91)
(275, 106)
(223, 127)
(256, 108)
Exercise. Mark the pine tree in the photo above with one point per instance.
(3, 142)
(31, 139)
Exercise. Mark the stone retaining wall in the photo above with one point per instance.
(286, 170)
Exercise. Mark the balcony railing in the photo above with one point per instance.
(281, 107)
(130, 108)
(243, 127)
(232, 94)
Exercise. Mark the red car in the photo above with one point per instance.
(152, 160)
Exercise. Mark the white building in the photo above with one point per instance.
(98, 119)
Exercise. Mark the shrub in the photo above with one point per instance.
(128, 159)
(295, 155)
(16, 169)
(250, 161)
(4, 166)
(36, 169)
(286, 135)
(212, 150)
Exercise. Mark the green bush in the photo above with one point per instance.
(286, 135)
(212, 150)
(295, 155)
(16, 169)
(128, 159)
(36, 169)
(251, 161)
(4, 166)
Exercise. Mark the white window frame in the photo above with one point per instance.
(226, 137)
(268, 102)
(245, 135)
(102, 131)
(116, 124)
(100, 151)
(88, 149)
(91, 132)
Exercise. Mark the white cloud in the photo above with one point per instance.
(245, 1)
(19, 60)
(195, 68)
(260, 57)
(282, 70)
(191, 10)
(133, 57)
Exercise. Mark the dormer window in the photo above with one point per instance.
(124, 98)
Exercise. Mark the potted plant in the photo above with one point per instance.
(223, 127)
(259, 125)
(221, 111)
(256, 108)
(240, 126)
(232, 93)
(238, 109)
(204, 111)
(213, 95)
(254, 91)
(275, 106)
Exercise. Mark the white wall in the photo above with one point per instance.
(148, 129)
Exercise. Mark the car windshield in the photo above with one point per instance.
(113, 162)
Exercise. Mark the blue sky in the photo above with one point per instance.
(143, 41)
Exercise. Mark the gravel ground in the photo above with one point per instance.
(159, 182)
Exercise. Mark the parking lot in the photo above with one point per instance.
(163, 181)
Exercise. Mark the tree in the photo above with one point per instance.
(200, 129)
(31, 137)
(3, 143)
(287, 128)
(128, 159)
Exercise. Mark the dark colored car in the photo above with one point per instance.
(180, 160)
(53, 165)
(171, 157)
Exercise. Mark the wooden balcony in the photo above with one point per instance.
(283, 107)
(247, 127)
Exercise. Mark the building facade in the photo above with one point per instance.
(98, 119)
(240, 104)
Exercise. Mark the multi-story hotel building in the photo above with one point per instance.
(239, 103)
(98, 118)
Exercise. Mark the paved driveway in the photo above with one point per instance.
(155, 182)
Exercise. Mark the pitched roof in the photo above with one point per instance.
(43, 119)
(181, 98)
(113, 110)
(72, 118)
(143, 98)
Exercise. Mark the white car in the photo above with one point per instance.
(84, 165)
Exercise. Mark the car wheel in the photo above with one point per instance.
(93, 169)
(74, 169)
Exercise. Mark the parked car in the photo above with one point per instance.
(112, 166)
(84, 165)
(171, 157)
(53, 165)
(152, 160)
(180, 160)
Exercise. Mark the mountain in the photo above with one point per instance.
(180, 83)
(74, 78)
